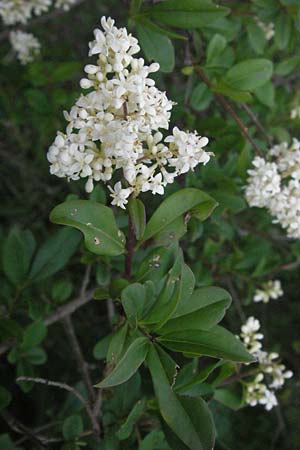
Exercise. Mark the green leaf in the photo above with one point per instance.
(36, 356)
(157, 263)
(137, 213)
(135, 299)
(72, 427)
(250, 74)
(61, 290)
(235, 94)
(215, 48)
(202, 311)
(143, 20)
(202, 420)
(186, 386)
(153, 440)
(128, 365)
(34, 334)
(216, 342)
(176, 206)
(202, 298)
(101, 348)
(244, 162)
(5, 398)
(95, 221)
(201, 97)
(283, 30)
(187, 14)
(287, 66)
(126, 429)
(18, 249)
(256, 38)
(54, 254)
(157, 47)
(170, 407)
(228, 398)
(266, 94)
(178, 285)
(116, 344)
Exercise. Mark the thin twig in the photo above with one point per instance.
(239, 377)
(236, 301)
(69, 308)
(226, 105)
(256, 122)
(68, 388)
(19, 428)
(59, 314)
(68, 325)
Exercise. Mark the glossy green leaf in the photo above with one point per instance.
(229, 398)
(178, 205)
(216, 342)
(95, 221)
(157, 47)
(202, 420)
(170, 406)
(137, 299)
(143, 20)
(128, 364)
(178, 285)
(126, 428)
(250, 74)
(116, 344)
(187, 14)
(137, 213)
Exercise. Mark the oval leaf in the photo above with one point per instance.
(249, 74)
(95, 221)
(128, 365)
(216, 342)
(176, 206)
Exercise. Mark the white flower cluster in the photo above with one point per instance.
(295, 113)
(275, 185)
(268, 28)
(116, 125)
(21, 11)
(269, 290)
(26, 45)
(271, 373)
(250, 335)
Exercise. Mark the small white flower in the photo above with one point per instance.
(119, 195)
(269, 290)
(275, 185)
(26, 46)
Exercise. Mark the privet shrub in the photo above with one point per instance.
(113, 327)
